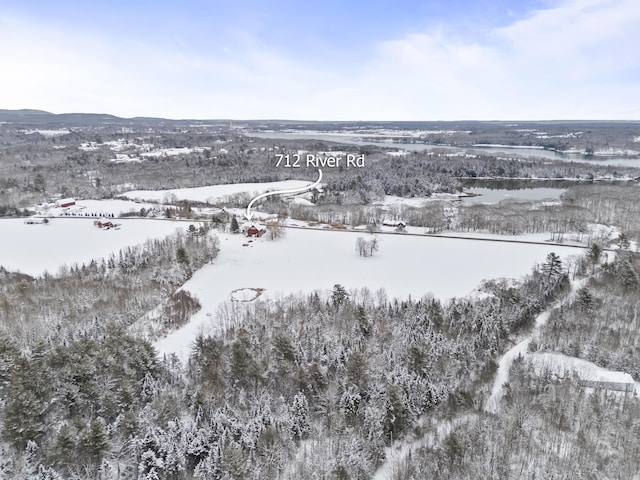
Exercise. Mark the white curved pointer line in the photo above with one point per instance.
(248, 213)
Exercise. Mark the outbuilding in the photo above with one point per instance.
(65, 202)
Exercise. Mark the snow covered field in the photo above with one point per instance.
(98, 207)
(215, 193)
(306, 260)
(34, 249)
(562, 365)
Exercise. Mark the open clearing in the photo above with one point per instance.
(34, 249)
(214, 193)
(307, 260)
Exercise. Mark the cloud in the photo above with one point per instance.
(64, 71)
(573, 59)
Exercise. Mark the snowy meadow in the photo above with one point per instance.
(308, 260)
(34, 249)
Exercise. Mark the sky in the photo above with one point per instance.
(329, 60)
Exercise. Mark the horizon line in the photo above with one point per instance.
(229, 119)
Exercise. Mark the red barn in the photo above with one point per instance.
(65, 202)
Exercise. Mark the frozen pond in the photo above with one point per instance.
(618, 161)
(489, 195)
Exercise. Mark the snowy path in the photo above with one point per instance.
(521, 349)
(504, 365)
(554, 362)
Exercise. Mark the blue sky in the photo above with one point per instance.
(331, 60)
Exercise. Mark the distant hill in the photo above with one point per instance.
(22, 115)
(30, 117)
(41, 117)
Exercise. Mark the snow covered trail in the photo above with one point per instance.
(504, 365)
(559, 363)
(522, 348)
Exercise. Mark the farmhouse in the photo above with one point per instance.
(65, 202)
(253, 231)
(105, 224)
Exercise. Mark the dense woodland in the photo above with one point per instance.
(355, 369)
(84, 163)
(550, 426)
(79, 298)
(325, 384)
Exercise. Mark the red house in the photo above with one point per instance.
(254, 232)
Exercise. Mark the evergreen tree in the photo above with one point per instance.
(29, 396)
(363, 322)
(207, 468)
(339, 296)
(243, 367)
(300, 427)
(181, 256)
(593, 254)
(552, 268)
(235, 228)
(64, 447)
(585, 300)
(627, 273)
(95, 442)
(396, 415)
(552, 265)
(623, 242)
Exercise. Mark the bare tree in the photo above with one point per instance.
(366, 248)
(275, 230)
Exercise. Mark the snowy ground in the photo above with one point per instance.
(97, 207)
(560, 365)
(214, 193)
(48, 133)
(307, 260)
(34, 249)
